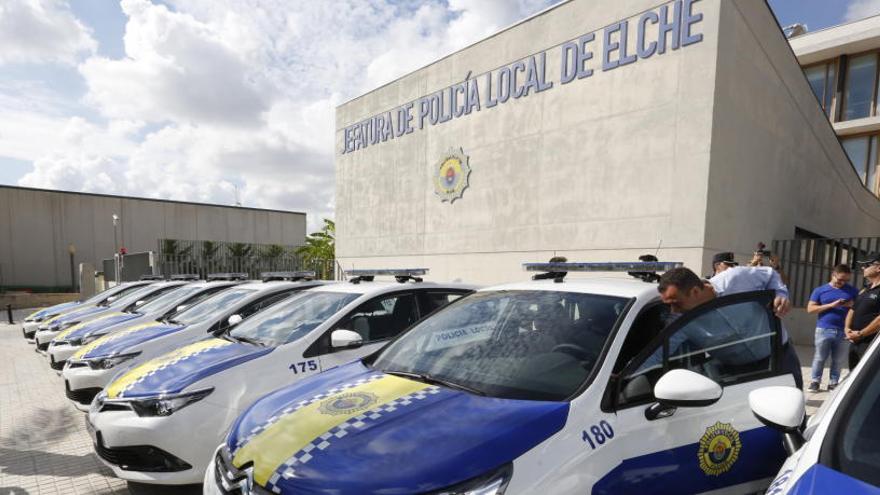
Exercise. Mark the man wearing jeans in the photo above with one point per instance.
(832, 302)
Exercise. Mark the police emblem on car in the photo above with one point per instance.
(348, 403)
(719, 449)
(451, 175)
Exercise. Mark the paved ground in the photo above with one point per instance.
(44, 448)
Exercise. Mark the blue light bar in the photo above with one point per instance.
(299, 275)
(605, 266)
(394, 272)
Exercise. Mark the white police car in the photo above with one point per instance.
(842, 449)
(160, 307)
(49, 329)
(161, 421)
(555, 387)
(94, 364)
(34, 320)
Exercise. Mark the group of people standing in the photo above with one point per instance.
(847, 319)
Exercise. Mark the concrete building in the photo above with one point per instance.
(37, 227)
(841, 64)
(598, 130)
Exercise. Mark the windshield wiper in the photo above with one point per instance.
(246, 340)
(426, 378)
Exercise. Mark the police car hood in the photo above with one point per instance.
(120, 341)
(172, 372)
(54, 309)
(97, 325)
(821, 479)
(355, 430)
(77, 314)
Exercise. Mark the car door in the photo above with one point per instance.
(735, 341)
(377, 320)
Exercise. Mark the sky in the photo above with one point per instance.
(213, 100)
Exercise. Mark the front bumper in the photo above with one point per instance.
(80, 378)
(190, 436)
(29, 328)
(59, 354)
(44, 337)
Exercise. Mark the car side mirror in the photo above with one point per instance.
(181, 308)
(139, 303)
(111, 299)
(343, 339)
(781, 408)
(682, 388)
(234, 320)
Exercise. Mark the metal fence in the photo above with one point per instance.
(204, 257)
(807, 263)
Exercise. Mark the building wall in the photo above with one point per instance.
(607, 167)
(36, 227)
(776, 163)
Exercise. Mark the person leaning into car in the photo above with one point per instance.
(863, 320)
(683, 291)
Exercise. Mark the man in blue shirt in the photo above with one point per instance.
(832, 302)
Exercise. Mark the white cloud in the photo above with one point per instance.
(35, 31)
(859, 9)
(213, 94)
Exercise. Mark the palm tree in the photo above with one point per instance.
(240, 253)
(320, 249)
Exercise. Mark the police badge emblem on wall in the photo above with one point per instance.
(451, 175)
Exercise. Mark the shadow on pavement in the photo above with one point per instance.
(45, 425)
(37, 462)
(144, 489)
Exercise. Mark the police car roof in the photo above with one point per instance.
(258, 285)
(388, 286)
(607, 286)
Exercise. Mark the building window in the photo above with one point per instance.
(858, 93)
(823, 79)
(862, 153)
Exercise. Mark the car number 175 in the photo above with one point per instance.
(303, 366)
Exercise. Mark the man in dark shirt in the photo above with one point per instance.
(863, 320)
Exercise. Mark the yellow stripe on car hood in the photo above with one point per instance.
(112, 336)
(139, 372)
(274, 445)
(72, 328)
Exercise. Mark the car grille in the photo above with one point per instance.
(43, 346)
(233, 481)
(56, 365)
(82, 396)
(144, 458)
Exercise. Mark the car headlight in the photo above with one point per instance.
(166, 405)
(492, 483)
(110, 362)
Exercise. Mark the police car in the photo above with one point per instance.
(33, 320)
(161, 421)
(90, 368)
(66, 343)
(558, 386)
(842, 449)
(51, 328)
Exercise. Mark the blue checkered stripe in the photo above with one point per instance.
(161, 368)
(299, 405)
(304, 455)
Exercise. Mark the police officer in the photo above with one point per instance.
(683, 290)
(863, 320)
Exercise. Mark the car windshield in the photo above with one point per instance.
(169, 299)
(292, 318)
(533, 345)
(215, 305)
(116, 291)
(132, 297)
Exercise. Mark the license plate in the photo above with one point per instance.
(91, 430)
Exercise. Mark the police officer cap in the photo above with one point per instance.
(870, 258)
(725, 257)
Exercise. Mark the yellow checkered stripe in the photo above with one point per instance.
(275, 445)
(145, 370)
(67, 331)
(110, 337)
